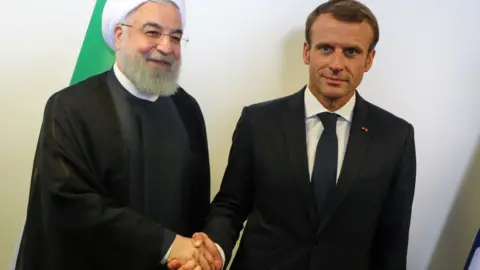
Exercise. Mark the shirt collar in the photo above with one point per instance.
(314, 107)
(129, 86)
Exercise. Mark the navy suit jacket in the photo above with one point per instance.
(267, 181)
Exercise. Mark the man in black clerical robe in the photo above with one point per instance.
(121, 171)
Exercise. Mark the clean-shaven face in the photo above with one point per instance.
(338, 57)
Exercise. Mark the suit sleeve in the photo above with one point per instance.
(391, 238)
(78, 211)
(233, 203)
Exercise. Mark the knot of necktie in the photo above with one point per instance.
(329, 121)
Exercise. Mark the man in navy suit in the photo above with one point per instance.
(325, 178)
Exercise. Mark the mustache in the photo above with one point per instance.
(169, 59)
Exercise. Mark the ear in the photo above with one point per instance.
(118, 33)
(369, 62)
(306, 53)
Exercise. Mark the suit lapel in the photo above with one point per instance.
(357, 145)
(293, 122)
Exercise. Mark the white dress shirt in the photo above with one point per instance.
(314, 127)
(130, 87)
(475, 262)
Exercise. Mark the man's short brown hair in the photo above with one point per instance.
(345, 11)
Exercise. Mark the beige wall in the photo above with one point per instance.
(426, 71)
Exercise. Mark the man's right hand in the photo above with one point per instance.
(210, 253)
(184, 251)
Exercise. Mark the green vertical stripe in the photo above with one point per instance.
(95, 55)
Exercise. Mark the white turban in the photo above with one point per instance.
(115, 11)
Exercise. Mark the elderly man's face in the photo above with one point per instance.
(149, 47)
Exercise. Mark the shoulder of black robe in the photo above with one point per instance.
(72, 221)
(194, 121)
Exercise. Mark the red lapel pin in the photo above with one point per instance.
(365, 129)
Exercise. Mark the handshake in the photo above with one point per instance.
(196, 253)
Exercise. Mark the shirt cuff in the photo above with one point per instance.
(164, 260)
(221, 254)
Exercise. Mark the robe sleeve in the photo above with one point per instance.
(76, 205)
(201, 188)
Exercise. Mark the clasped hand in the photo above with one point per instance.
(196, 253)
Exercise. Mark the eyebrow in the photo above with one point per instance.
(158, 26)
(356, 47)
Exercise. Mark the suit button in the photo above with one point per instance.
(317, 244)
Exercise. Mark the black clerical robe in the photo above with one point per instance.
(114, 179)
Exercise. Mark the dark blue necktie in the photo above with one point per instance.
(324, 176)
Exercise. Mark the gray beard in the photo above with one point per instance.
(157, 81)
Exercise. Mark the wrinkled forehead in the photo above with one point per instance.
(162, 13)
(115, 12)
